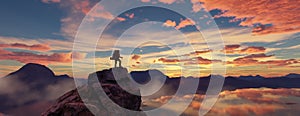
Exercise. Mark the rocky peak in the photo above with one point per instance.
(33, 70)
(102, 88)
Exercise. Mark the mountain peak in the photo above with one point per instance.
(293, 75)
(33, 70)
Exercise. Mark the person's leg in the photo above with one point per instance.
(120, 63)
(115, 63)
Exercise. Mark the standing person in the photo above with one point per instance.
(116, 56)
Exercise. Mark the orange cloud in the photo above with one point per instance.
(195, 105)
(196, 60)
(253, 59)
(246, 109)
(196, 53)
(169, 23)
(283, 19)
(25, 57)
(200, 60)
(37, 47)
(163, 99)
(253, 49)
(232, 47)
(121, 19)
(135, 57)
(167, 1)
(171, 61)
(235, 49)
(254, 56)
(184, 23)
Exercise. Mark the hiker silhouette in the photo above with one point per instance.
(116, 56)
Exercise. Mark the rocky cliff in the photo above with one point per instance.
(96, 96)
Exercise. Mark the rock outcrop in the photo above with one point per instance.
(103, 95)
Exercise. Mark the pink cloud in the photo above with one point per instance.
(197, 6)
(131, 16)
(76, 10)
(262, 55)
(235, 49)
(37, 47)
(77, 55)
(240, 102)
(25, 57)
(145, 0)
(283, 19)
(99, 12)
(254, 59)
(196, 60)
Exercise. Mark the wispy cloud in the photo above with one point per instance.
(235, 49)
(252, 60)
(37, 47)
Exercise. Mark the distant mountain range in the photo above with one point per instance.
(33, 88)
(230, 83)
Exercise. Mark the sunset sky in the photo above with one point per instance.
(259, 37)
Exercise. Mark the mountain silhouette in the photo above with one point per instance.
(292, 75)
(32, 70)
(34, 87)
(230, 82)
(143, 77)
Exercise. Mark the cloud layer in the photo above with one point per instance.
(277, 16)
(259, 102)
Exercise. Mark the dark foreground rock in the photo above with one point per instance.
(102, 96)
